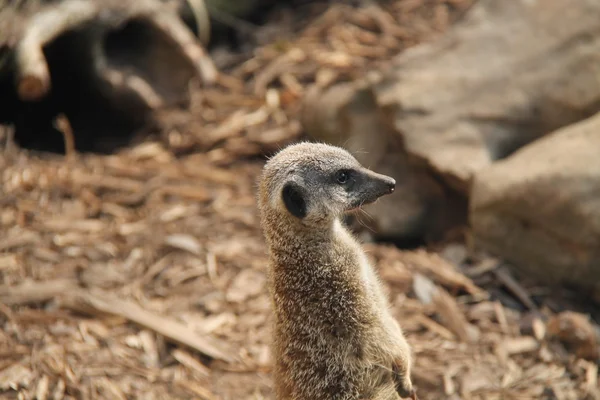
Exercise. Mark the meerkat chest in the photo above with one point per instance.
(363, 267)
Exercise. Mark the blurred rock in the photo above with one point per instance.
(509, 73)
(540, 208)
(347, 115)
(488, 88)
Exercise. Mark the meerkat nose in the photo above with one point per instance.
(391, 185)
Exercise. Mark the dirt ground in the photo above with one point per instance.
(141, 275)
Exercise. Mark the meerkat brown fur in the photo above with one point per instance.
(334, 337)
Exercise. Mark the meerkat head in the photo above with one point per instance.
(314, 182)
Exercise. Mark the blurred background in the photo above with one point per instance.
(132, 133)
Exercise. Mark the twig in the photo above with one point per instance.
(189, 361)
(434, 327)
(9, 145)
(202, 19)
(136, 84)
(19, 240)
(231, 21)
(511, 284)
(174, 28)
(443, 272)
(501, 317)
(99, 302)
(35, 292)
(198, 390)
(451, 314)
(63, 125)
(211, 266)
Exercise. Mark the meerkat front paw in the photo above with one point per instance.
(402, 379)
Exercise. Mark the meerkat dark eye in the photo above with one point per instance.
(342, 176)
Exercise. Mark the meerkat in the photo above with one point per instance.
(334, 336)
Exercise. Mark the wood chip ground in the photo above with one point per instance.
(141, 275)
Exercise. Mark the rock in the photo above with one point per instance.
(347, 115)
(506, 75)
(509, 73)
(540, 208)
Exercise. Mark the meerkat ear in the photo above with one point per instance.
(294, 200)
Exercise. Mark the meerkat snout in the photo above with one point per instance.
(383, 184)
(334, 335)
(392, 185)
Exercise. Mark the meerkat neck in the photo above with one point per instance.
(284, 231)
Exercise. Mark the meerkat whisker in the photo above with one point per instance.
(365, 212)
(361, 213)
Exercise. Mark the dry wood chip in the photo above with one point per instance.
(217, 321)
(276, 68)
(150, 347)
(184, 242)
(190, 362)
(177, 212)
(482, 268)
(425, 376)
(486, 310)
(20, 239)
(446, 307)
(211, 267)
(277, 136)
(74, 226)
(501, 317)
(246, 284)
(515, 287)
(59, 390)
(102, 303)
(424, 288)
(520, 345)
(34, 292)
(453, 317)
(210, 173)
(106, 182)
(539, 328)
(512, 375)
(109, 388)
(15, 377)
(433, 326)
(132, 228)
(153, 150)
(195, 388)
(8, 261)
(478, 378)
(441, 271)
(449, 387)
(591, 377)
(43, 387)
(44, 254)
(236, 123)
(398, 276)
(189, 192)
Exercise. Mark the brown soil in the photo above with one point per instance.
(142, 274)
